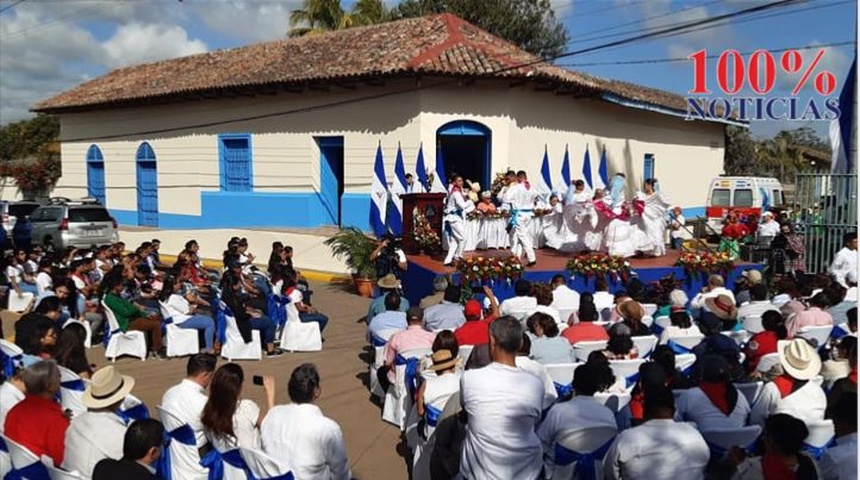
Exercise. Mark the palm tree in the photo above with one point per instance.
(369, 12)
(317, 16)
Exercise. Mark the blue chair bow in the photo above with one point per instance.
(10, 363)
(818, 452)
(585, 462)
(563, 390)
(838, 332)
(678, 348)
(215, 460)
(137, 412)
(656, 329)
(718, 452)
(631, 380)
(34, 471)
(184, 435)
(109, 333)
(76, 385)
(431, 415)
(411, 375)
(221, 324)
(377, 341)
(276, 310)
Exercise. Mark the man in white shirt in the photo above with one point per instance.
(301, 434)
(716, 286)
(563, 297)
(603, 300)
(187, 399)
(522, 303)
(503, 404)
(676, 228)
(840, 461)
(660, 448)
(447, 315)
(44, 282)
(758, 303)
(98, 433)
(768, 226)
(522, 201)
(845, 259)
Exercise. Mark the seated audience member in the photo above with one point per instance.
(716, 286)
(839, 303)
(301, 433)
(187, 399)
(602, 298)
(783, 438)
(415, 336)
(620, 345)
(631, 312)
(525, 363)
(758, 304)
(51, 309)
(838, 366)
(681, 326)
(848, 384)
(392, 319)
(764, 342)
(815, 315)
(36, 334)
(840, 460)
(651, 375)
(248, 317)
(715, 403)
(581, 413)
(715, 342)
(142, 445)
(98, 433)
(744, 283)
(795, 392)
(37, 422)
(660, 448)
(503, 405)
(11, 392)
(387, 284)
(435, 298)
(306, 312)
(486, 204)
(548, 346)
(563, 297)
(229, 420)
(584, 330)
(664, 356)
(445, 340)
(184, 315)
(523, 301)
(677, 298)
(476, 331)
(434, 392)
(129, 316)
(543, 296)
(70, 351)
(724, 308)
(447, 315)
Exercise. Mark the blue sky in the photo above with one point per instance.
(47, 46)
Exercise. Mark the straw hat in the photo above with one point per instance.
(798, 358)
(443, 360)
(389, 281)
(630, 310)
(722, 306)
(106, 388)
(753, 276)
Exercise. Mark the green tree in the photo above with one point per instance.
(369, 12)
(529, 24)
(317, 16)
(28, 138)
(740, 155)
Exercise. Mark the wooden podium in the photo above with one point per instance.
(429, 204)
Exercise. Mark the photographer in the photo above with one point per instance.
(389, 257)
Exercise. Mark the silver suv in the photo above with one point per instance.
(80, 223)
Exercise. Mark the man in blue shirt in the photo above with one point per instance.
(447, 315)
(391, 319)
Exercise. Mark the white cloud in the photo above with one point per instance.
(246, 21)
(834, 60)
(137, 43)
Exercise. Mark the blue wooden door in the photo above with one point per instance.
(96, 174)
(331, 177)
(235, 152)
(147, 187)
(648, 168)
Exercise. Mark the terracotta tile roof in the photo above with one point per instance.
(438, 45)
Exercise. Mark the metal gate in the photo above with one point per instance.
(825, 209)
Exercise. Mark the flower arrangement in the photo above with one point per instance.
(480, 269)
(499, 182)
(593, 264)
(477, 215)
(34, 175)
(424, 233)
(706, 262)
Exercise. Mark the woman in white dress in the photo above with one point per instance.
(596, 219)
(652, 221)
(619, 237)
(231, 421)
(578, 215)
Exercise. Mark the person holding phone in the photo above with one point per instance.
(231, 421)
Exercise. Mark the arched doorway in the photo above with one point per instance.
(96, 174)
(465, 149)
(147, 186)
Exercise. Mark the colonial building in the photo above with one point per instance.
(284, 133)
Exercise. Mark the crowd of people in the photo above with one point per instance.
(501, 411)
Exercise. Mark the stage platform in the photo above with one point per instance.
(418, 280)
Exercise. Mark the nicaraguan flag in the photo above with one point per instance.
(545, 180)
(586, 169)
(440, 180)
(421, 171)
(378, 195)
(564, 182)
(842, 128)
(602, 179)
(397, 187)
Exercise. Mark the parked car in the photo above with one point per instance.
(80, 223)
(9, 211)
(748, 196)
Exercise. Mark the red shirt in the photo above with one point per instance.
(473, 332)
(40, 426)
(584, 332)
(760, 345)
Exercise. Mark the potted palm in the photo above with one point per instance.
(354, 247)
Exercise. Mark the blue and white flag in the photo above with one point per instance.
(378, 196)
(440, 180)
(421, 171)
(586, 168)
(544, 186)
(564, 183)
(602, 179)
(397, 187)
(842, 128)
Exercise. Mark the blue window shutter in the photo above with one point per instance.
(235, 162)
(648, 169)
(96, 174)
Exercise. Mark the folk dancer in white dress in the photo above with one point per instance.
(652, 221)
(619, 238)
(522, 200)
(456, 208)
(579, 217)
(595, 223)
(555, 232)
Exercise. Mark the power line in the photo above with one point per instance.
(10, 7)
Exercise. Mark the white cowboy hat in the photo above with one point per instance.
(798, 358)
(106, 388)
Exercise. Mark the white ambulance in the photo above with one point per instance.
(748, 196)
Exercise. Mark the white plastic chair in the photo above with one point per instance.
(88, 341)
(663, 322)
(684, 361)
(378, 360)
(687, 341)
(648, 320)
(180, 341)
(645, 345)
(72, 391)
(581, 350)
(614, 401)
(398, 402)
(19, 304)
(565, 313)
(626, 371)
(751, 390)
(184, 459)
(22, 459)
(562, 376)
(650, 309)
(14, 356)
(522, 315)
(298, 336)
(723, 439)
(133, 408)
(465, 352)
(60, 474)
(131, 343)
(587, 440)
(821, 434)
(739, 336)
(752, 324)
(766, 362)
(235, 348)
(263, 466)
(816, 336)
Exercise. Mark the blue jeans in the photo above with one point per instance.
(202, 322)
(266, 327)
(29, 287)
(676, 243)
(314, 317)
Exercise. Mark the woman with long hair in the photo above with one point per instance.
(247, 317)
(231, 421)
(70, 351)
(184, 314)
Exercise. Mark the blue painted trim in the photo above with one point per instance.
(222, 161)
(94, 154)
(648, 166)
(144, 158)
(145, 153)
(472, 129)
(331, 166)
(626, 102)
